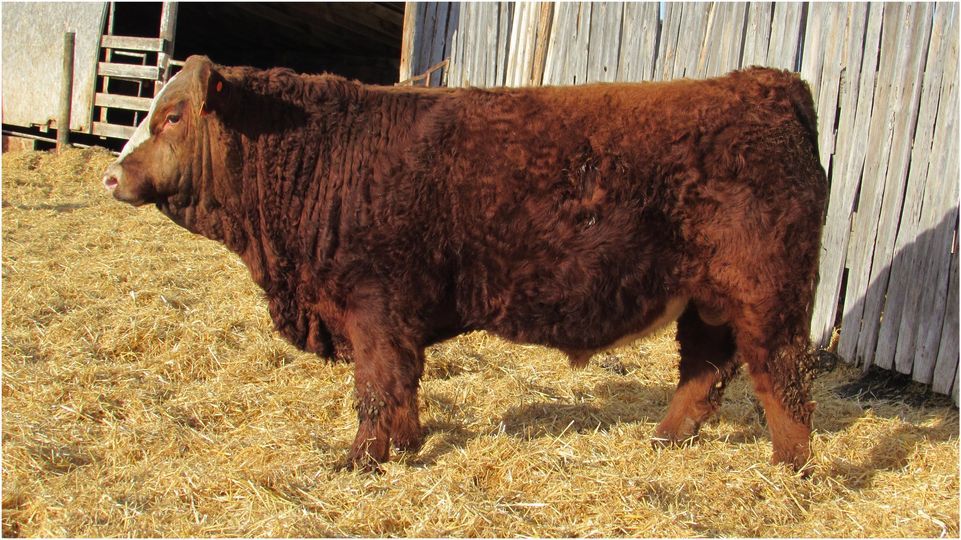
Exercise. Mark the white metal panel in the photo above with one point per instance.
(33, 60)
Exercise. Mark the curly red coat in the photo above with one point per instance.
(380, 220)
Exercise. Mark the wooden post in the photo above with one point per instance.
(407, 41)
(66, 92)
(168, 31)
(544, 20)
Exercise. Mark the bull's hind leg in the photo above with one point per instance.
(707, 365)
(779, 372)
(386, 378)
(772, 340)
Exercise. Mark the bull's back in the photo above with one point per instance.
(573, 205)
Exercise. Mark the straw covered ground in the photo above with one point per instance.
(145, 394)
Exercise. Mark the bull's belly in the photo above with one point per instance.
(582, 338)
(669, 313)
(672, 310)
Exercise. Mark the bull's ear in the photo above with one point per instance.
(217, 93)
(214, 89)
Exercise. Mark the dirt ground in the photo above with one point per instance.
(144, 393)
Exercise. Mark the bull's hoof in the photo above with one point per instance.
(363, 463)
(681, 435)
(368, 455)
(409, 444)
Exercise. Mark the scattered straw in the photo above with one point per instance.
(145, 394)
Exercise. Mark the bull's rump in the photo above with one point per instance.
(580, 213)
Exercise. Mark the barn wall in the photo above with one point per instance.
(428, 38)
(885, 82)
(33, 61)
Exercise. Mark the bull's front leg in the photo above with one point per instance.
(387, 374)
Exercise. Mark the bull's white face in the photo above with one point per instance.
(142, 132)
(157, 163)
(117, 177)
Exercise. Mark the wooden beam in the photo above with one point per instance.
(128, 71)
(544, 20)
(112, 130)
(407, 42)
(116, 101)
(66, 92)
(168, 31)
(132, 43)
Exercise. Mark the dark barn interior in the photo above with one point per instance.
(354, 39)
(357, 40)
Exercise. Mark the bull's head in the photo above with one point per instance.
(156, 164)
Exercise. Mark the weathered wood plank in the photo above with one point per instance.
(580, 45)
(544, 19)
(667, 50)
(732, 41)
(812, 56)
(103, 129)
(897, 335)
(854, 122)
(423, 41)
(459, 56)
(450, 74)
(713, 27)
(407, 40)
(530, 41)
(871, 191)
(785, 34)
(941, 372)
(638, 40)
(723, 46)
(453, 16)
(132, 43)
(757, 38)
(518, 39)
(168, 33)
(558, 46)
(940, 215)
(478, 56)
(438, 41)
(954, 390)
(828, 71)
(128, 71)
(909, 68)
(505, 15)
(118, 101)
(946, 370)
(605, 42)
(691, 39)
(489, 40)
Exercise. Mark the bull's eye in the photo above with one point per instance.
(173, 118)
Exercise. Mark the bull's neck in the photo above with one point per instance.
(285, 189)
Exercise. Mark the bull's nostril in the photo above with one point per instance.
(110, 182)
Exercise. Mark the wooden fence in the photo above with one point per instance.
(885, 82)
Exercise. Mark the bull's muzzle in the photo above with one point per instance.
(111, 177)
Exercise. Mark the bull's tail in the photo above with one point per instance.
(779, 84)
(800, 94)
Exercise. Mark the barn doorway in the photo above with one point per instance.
(356, 40)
